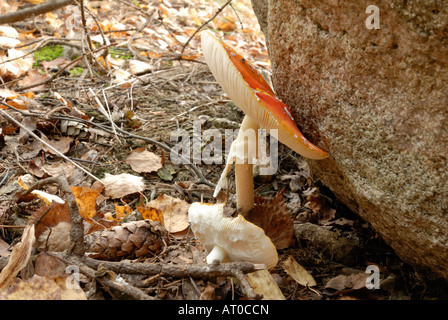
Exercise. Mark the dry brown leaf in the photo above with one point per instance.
(11, 32)
(42, 288)
(64, 167)
(122, 211)
(56, 63)
(4, 249)
(208, 293)
(62, 145)
(46, 265)
(56, 214)
(118, 186)
(33, 77)
(175, 212)
(298, 273)
(56, 239)
(275, 219)
(151, 213)
(317, 203)
(263, 283)
(18, 104)
(7, 93)
(19, 258)
(46, 197)
(137, 67)
(36, 170)
(141, 160)
(345, 284)
(86, 201)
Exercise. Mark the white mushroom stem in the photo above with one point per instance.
(243, 152)
(246, 154)
(217, 253)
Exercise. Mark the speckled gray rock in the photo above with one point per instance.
(377, 101)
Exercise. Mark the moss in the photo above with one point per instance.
(75, 72)
(120, 53)
(48, 53)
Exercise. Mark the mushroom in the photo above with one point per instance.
(229, 239)
(252, 94)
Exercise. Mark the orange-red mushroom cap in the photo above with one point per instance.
(253, 95)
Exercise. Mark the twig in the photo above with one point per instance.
(5, 177)
(197, 171)
(204, 24)
(42, 43)
(128, 290)
(173, 270)
(47, 144)
(233, 269)
(77, 228)
(60, 71)
(137, 55)
(105, 112)
(100, 28)
(34, 10)
(84, 25)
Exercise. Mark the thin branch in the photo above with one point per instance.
(53, 77)
(204, 24)
(33, 11)
(197, 171)
(47, 144)
(233, 269)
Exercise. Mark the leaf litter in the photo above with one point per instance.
(113, 116)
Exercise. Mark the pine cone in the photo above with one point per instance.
(130, 240)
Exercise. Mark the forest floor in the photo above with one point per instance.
(151, 82)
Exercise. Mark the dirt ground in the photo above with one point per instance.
(333, 244)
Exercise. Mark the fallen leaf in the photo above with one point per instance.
(55, 239)
(150, 213)
(137, 67)
(141, 160)
(55, 214)
(345, 284)
(26, 181)
(166, 173)
(263, 283)
(46, 265)
(19, 258)
(275, 219)
(9, 32)
(33, 77)
(298, 273)
(15, 68)
(7, 93)
(122, 211)
(62, 144)
(175, 212)
(118, 186)
(86, 201)
(65, 168)
(208, 293)
(47, 198)
(4, 249)
(18, 104)
(42, 288)
(54, 65)
(7, 42)
(36, 170)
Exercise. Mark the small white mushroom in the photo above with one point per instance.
(230, 239)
